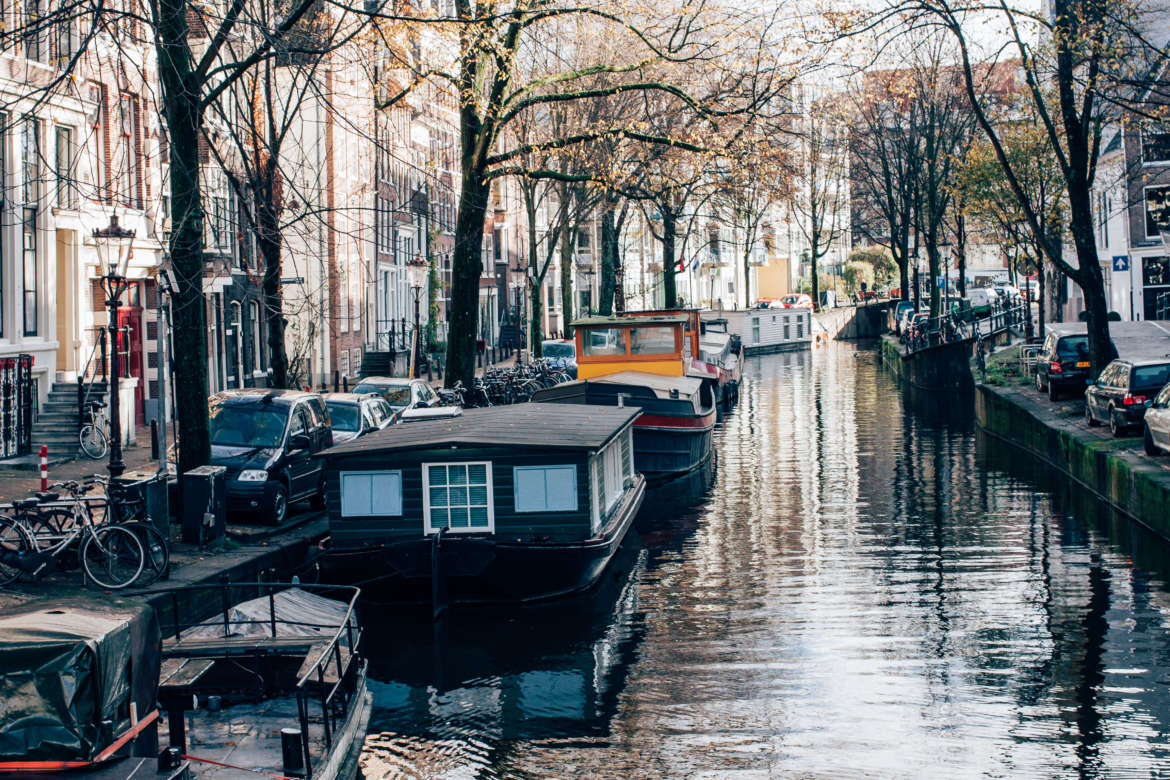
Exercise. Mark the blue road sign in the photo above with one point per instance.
(1121, 262)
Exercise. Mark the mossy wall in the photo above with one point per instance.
(1124, 478)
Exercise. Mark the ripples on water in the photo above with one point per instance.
(863, 591)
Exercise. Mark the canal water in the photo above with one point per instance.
(861, 587)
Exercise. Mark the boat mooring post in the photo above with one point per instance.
(292, 752)
(438, 585)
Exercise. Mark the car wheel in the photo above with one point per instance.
(279, 506)
(1151, 448)
(1053, 392)
(317, 500)
(1089, 419)
(1114, 428)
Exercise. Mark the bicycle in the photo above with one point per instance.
(126, 507)
(94, 436)
(111, 555)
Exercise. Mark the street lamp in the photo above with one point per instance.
(417, 271)
(115, 248)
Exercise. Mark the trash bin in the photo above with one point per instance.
(153, 491)
(204, 505)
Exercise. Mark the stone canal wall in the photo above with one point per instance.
(1115, 470)
(940, 368)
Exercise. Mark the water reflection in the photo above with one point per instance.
(864, 588)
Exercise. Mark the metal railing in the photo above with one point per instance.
(950, 328)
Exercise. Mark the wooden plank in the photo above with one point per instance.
(329, 674)
(181, 672)
(235, 644)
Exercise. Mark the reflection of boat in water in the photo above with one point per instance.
(543, 670)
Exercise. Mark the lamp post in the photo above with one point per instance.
(114, 246)
(417, 271)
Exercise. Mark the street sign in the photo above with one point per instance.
(1121, 262)
(293, 280)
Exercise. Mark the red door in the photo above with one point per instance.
(130, 352)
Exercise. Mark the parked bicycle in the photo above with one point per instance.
(94, 436)
(35, 540)
(125, 506)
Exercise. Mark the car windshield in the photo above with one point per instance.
(1151, 377)
(1073, 346)
(397, 396)
(343, 417)
(559, 350)
(247, 425)
(790, 299)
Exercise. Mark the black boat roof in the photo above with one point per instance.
(539, 426)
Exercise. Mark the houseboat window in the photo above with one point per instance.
(546, 488)
(627, 454)
(800, 327)
(458, 496)
(652, 341)
(787, 330)
(614, 482)
(604, 341)
(371, 493)
(755, 330)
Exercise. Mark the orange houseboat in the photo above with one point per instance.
(714, 363)
(645, 360)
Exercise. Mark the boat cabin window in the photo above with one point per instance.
(604, 341)
(653, 341)
(546, 488)
(371, 493)
(458, 496)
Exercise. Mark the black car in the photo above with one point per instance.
(353, 414)
(1063, 364)
(1122, 392)
(268, 440)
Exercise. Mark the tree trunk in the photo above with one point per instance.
(268, 244)
(1092, 282)
(669, 289)
(1040, 293)
(608, 257)
(567, 302)
(961, 253)
(467, 268)
(934, 264)
(816, 282)
(536, 326)
(184, 119)
(747, 279)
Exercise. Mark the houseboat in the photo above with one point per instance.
(721, 349)
(673, 434)
(709, 358)
(504, 504)
(767, 330)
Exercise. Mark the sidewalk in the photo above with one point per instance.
(21, 483)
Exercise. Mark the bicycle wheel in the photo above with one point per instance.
(14, 543)
(112, 557)
(157, 552)
(93, 441)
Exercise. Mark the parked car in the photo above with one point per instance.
(1123, 390)
(981, 299)
(1063, 361)
(268, 440)
(1157, 423)
(796, 301)
(562, 352)
(401, 394)
(916, 325)
(900, 309)
(352, 414)
(904, 323)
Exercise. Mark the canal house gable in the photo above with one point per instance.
(564, 489)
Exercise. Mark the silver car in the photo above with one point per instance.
(1157, 423)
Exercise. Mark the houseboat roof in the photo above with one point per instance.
(628, 320)
(560, 427)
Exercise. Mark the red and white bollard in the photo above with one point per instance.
(44, 468)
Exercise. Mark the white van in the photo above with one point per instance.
(981, 299)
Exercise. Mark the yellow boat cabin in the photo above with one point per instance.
(650, 343)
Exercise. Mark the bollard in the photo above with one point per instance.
(345, 384)
(336, 375)
(154, 439)
(44, 468)
(291, 752)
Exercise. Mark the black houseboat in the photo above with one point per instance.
(673, 434)
(511, 503)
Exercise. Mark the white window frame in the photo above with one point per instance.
(428, 529)
(516, 488)
(372, 473)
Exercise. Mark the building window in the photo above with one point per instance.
(128, 152)
(458, 496)
(97, 141)
(343, 362)
(254, 315)
(355, 364)
(30, 152)
(65, 38)
(1157, 211)
(371, 493)
(545, 488)
(29, 252)
(1155, 143)
(32, 30)
(66, 189)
